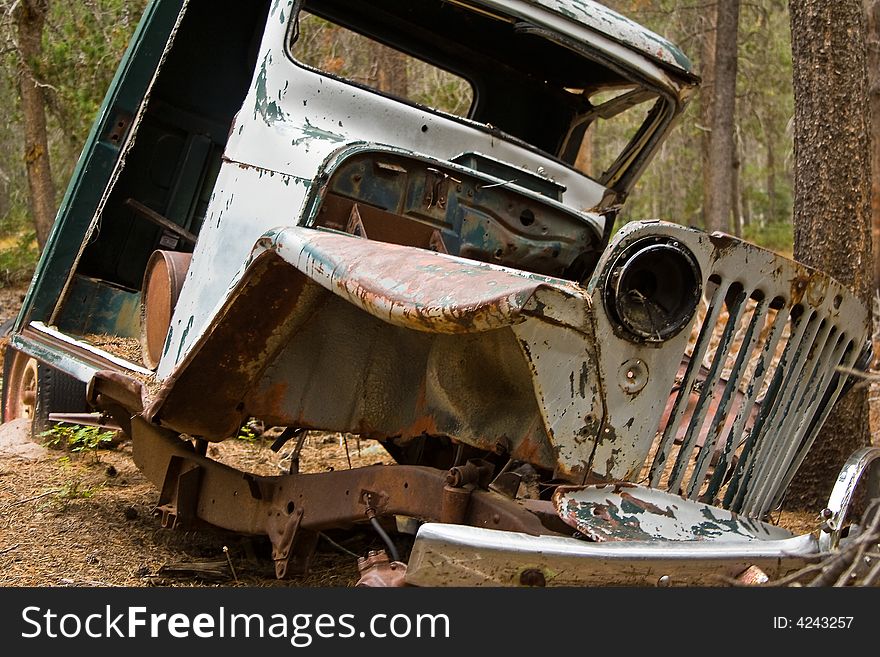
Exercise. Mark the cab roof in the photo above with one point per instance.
(600, 18)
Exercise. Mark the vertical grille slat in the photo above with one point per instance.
(754, 388)
(759, 381)
(699, 414)
(750, 340)
(680, 404)
(792, 430)
(830, 389)
(743, 472)
(771, 448)
(786, 372)
(781, 434)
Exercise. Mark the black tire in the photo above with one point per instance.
(57, 392)
(51, 391)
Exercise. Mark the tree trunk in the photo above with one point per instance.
(30, 17)
(772, 205)
(872, 11)
(707, 105)
(736, 187)
(832, 208)
(390, 71)
(721, 140)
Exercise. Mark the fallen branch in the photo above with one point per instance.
(844, 566)
(54, 491)
(9, 549)
(207, 569)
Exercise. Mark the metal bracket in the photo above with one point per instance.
(292, 547)
(178, 502)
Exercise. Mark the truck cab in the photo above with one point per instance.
(396, 220)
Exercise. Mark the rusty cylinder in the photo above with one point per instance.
(163, 279)
(454, 504)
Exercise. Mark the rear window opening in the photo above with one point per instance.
(333, 49)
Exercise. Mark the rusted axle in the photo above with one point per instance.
(290, 508)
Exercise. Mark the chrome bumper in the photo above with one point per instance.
(456, 555)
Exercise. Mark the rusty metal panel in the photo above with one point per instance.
(414, 288)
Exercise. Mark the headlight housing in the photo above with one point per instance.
(653, 288)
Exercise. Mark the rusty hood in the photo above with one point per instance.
(326, 330)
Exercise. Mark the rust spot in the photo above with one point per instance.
(798, 286)
(426, 424)
(647, 506)
(271, 403)
(723, 242)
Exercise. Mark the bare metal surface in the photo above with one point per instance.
(48, 344)
(454, 555)
(865, 461)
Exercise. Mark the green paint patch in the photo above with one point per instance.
(183, 337)
(270, 111)
(311, 132)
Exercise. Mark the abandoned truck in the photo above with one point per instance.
(289, 238)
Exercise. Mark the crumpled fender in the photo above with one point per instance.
(413, 288)
(288, 285)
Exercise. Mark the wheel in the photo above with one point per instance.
(19, 385)
(34, 390)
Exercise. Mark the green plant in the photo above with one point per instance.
(74, 490)
(77, 438)
(246, 434)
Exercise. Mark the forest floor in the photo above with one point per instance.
(86, 518)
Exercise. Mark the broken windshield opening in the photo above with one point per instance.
(603, 139)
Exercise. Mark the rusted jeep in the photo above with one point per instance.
(291, 238)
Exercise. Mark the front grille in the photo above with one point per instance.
(755, 386)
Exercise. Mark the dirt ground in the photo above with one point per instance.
(86, 519)
(69, 519)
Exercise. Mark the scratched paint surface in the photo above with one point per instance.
(628, 512)
(602, 19)
(414, 288)
(293, 123)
